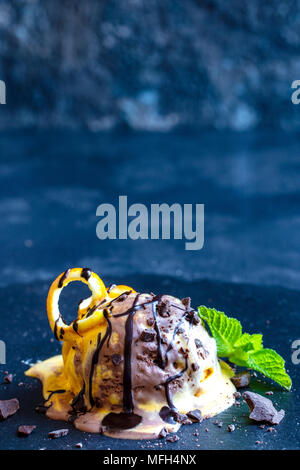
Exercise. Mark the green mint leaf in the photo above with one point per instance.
(225, 330)
(248, 342)
(270, 364)
(244, 349)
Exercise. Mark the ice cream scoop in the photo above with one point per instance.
(132, 364)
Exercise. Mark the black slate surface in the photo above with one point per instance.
(273, 311)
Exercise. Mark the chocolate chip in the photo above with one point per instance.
(147, 336)
(173, 438)
(231, 428)
(241, 380)
(58, 433)
(25, 430)
(186, 302)
(8, 408)
(262, 409)
(8, 379)
(150, 322)
(163, 433)
(195, 367)
(116, 359)
(195, 416)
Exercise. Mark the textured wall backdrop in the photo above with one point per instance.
(149, 64)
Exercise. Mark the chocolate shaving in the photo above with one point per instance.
(8, 408)
(241, 380)
(58, 433)
(262, 409)
(25, 430)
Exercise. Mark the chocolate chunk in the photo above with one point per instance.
(8, 379)
(262, 409)
(237, 395)
(25, 430)
(8, 408)
(195, 416)
(231, 428)
(116, 359)
(186, 302)
(194, 367)
(147, 336)
(192, 317)
(173, 438)
(163, 309)
(241, 380)
(58, 433)
(163, 433)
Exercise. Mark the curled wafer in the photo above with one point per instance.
(90, 312)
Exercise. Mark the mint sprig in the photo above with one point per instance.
(244, 349)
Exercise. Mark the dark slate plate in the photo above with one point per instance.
(273, 311)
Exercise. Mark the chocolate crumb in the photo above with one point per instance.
(78, 445)
(269, 393)
(25, 430)
(241, 380)
(116, 359)
(8, 408)
(231, 427)
(262, 409)
(271, 430)
(237, 395)
(173, 438)
(58, 433)
(220, 424)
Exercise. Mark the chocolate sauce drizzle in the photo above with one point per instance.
(126, 419)
(100, 343)
(86, 273)
(62, 278)
(52, 392)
